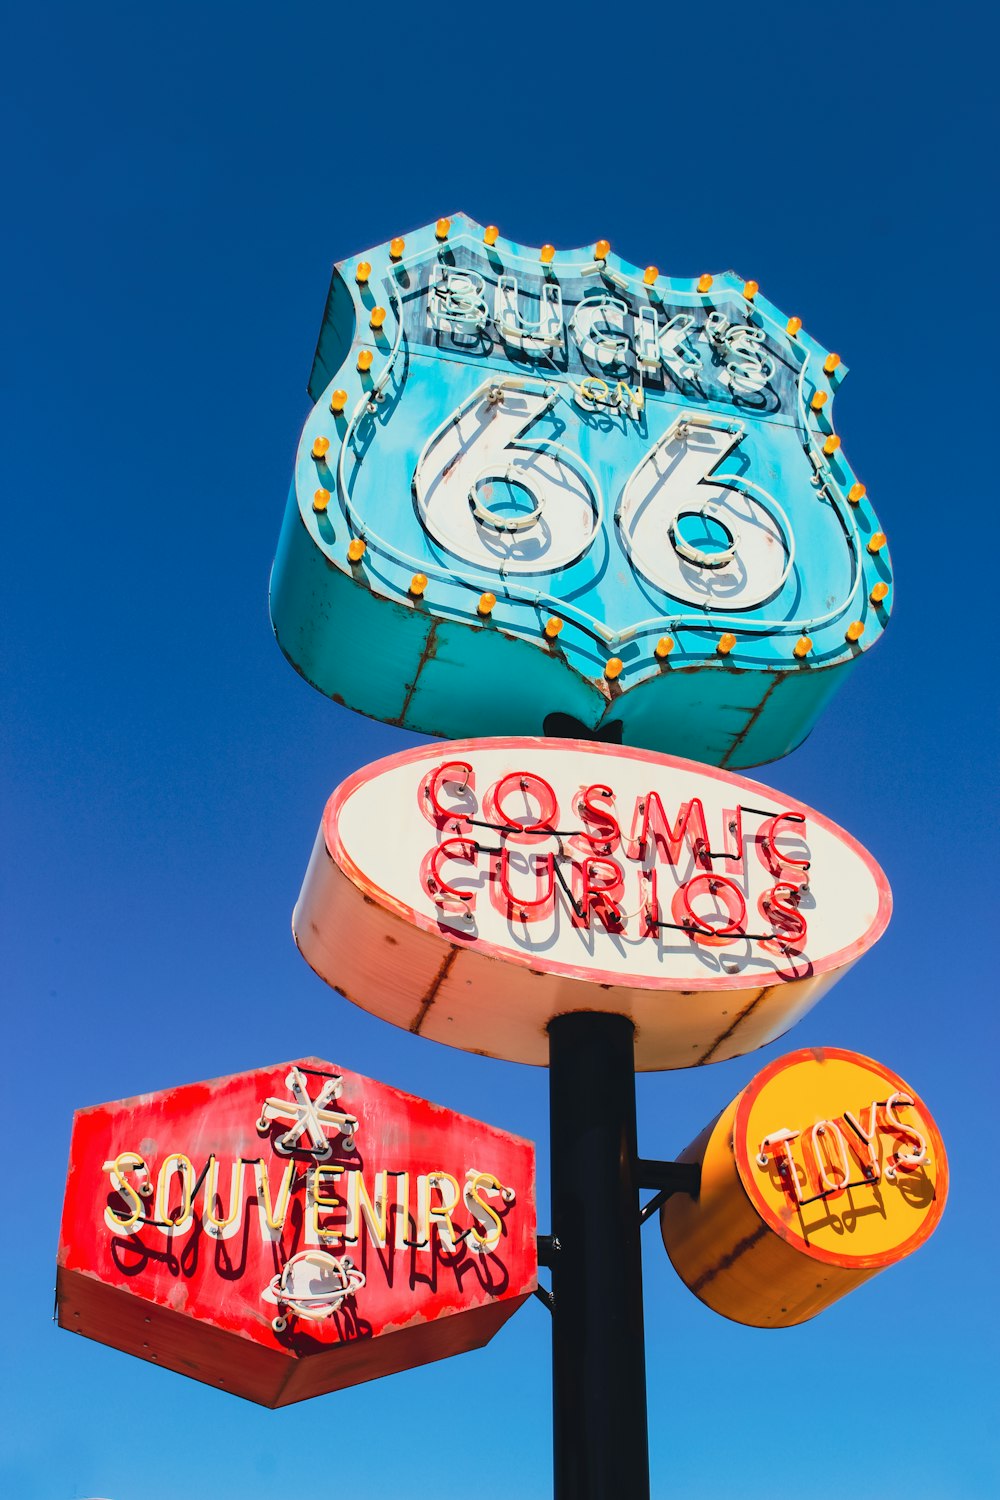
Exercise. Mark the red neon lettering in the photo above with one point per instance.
(532, 786)
(699, 927)
(732, 822)
(598, 886)
(772, 857)
(503, 896)
(427, 793)
(787, 921)
(448, 897)
(649, 915)
(603, 833)
(650, 819)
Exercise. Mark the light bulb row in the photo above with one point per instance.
(553, 626)
(602, 249)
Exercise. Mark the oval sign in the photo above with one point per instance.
(472, 891)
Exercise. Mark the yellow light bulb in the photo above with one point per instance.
(417, 584)
(613, 668)
(818, 400)
(338, 401)
(553, 627)
(321, 447)
(705, 283)
(365, 358)
(750, 290)
(831, 362)
(726, 643)
(793, 326)
(878, 593)
(546, 254)
(856, 493)
(377, 318)
(396, 247)
(832, 444)
(876, 543)
(650, 274)
(441, 228)
(355, 550)
(486, 603)
(321, 500)
(363, 272)
(855, 630)
(802, 646)
(490, 234)
(602, 250)
(663, 647)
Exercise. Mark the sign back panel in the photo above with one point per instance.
(292, 1230)
(541, 488)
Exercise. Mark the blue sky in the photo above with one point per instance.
(177, 186)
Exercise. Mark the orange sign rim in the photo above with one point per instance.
(764, 1209)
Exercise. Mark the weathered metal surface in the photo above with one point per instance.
(654, 466)
(293, 1230)
(824, 1170)
(472, 892)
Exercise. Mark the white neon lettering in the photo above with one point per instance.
(126, 1161)
(320, 1201)
(176, 1165)
(747, 368)
(832, 1142)
(337, 1203)
(456, 302)
(727, 545)
(360, 1207)
(223, 1228)
(598, 326)
(498, 498)
(271, 1216)
(534, 337)
(487, 1224)
(825, 1138)
(667, 345)
(868, 1135)
(780, 1141)
(916, 1158)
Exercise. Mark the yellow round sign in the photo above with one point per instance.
(840, 1158)
(824, 1170)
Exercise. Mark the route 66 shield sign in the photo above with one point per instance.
(547, 492)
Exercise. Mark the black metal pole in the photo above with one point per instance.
(600, 1441)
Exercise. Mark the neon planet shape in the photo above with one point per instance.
(314, 1284)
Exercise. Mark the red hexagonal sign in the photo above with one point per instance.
(293, 1230)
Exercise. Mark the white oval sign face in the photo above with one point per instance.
(472, 891)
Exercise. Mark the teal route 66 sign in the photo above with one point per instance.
(545, 492)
